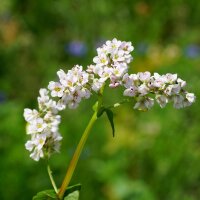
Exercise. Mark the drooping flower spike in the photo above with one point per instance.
(110, 65)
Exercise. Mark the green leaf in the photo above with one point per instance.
(101, 111)
(72, 196)
(46, 195)
(72, 189)
(110, 118)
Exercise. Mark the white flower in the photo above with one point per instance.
(190, 97)
(178, 101)
(162, 100)
(144, 76)
(56, 89)
(37, 154)
(101, 60)
(181, 82)
(127, 47)
(144, 104)
(131, 92)
(38, 125)
(143, 89)
(30, 115)
(171, 78)
(97, 84)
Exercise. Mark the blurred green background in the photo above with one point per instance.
(155, 155)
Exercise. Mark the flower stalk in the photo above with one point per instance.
(51, 178)
(75, 158)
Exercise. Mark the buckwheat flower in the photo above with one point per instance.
(38, 125)
(159, 81)
(37, 154)
(144, 76)
(113, 45)
(181, 82)
(143, 89)
(97, 84)
(178, 101)
(56, 89)
(129, 80)
(30, 115)
(131, 91)
(118, 56)
(127, 47)
(101, 60)
(162, 100)
(190, 97)
(144, 104)
(171, 78)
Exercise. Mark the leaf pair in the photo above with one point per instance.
(72, 193)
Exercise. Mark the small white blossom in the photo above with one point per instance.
(190, 97)
(30, 115)
(162, 100)
(56, 89)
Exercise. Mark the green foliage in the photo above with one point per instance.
(72, 193)
(46, 195)
(72, 196)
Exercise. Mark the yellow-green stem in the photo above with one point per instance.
(79, 148)
(76, 156)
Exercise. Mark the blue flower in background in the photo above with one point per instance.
(2, 97)
(142, 48)
(192, 51)
(76, 48)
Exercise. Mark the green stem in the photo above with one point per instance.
(51, 178)
(79, 148)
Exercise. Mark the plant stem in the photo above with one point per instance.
(76, 156)
(79, 148)
(51, 178)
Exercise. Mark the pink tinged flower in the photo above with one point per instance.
(143, 89)
(159, 82)
(144, 76)
(127, 47)
(171, 78)
(129, 80)
(168, 90)
(181, 82)
(178, 101)
(144, 104)
(162, 100)
(176, 89)
(131, 92)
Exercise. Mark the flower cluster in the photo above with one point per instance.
(71, 88)
(42, 125)
(111, 63)
(166, 88)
